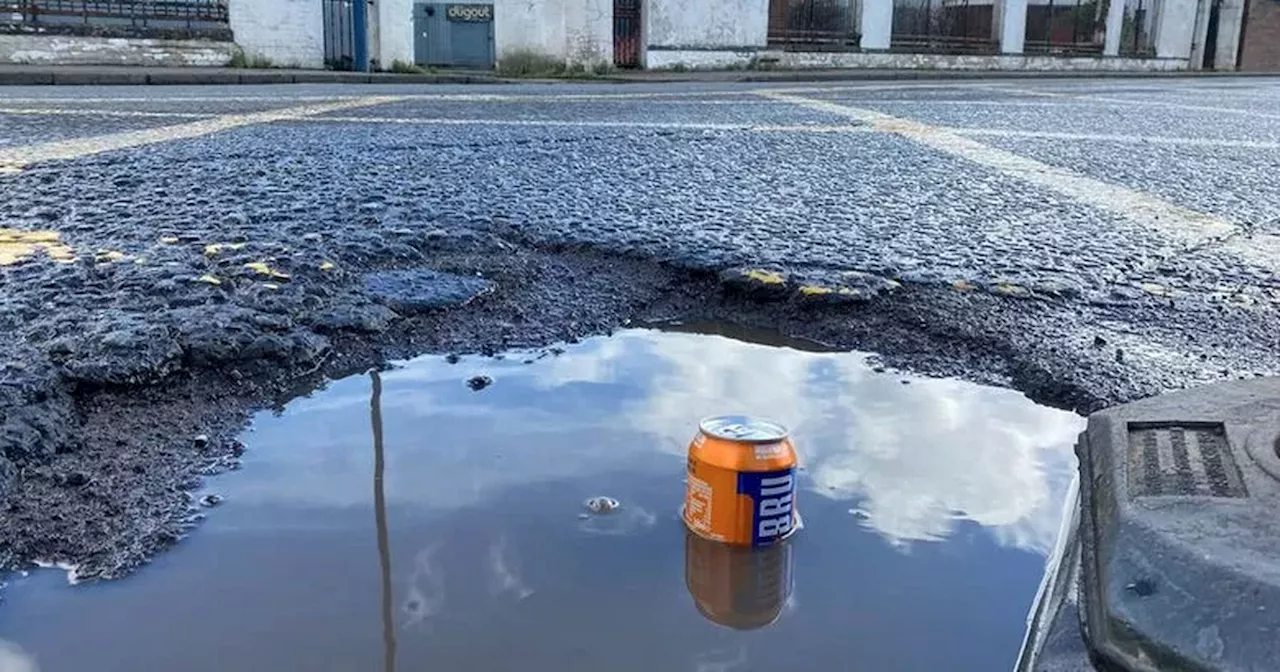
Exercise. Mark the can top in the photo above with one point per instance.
(743, 428)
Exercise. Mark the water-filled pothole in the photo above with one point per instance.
(929, 507)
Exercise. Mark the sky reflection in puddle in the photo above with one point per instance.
(929, 506)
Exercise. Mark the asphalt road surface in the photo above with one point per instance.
(174, 257)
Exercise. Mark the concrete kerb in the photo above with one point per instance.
(38, 75)
(106, 76)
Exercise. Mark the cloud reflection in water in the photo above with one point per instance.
(916, 457)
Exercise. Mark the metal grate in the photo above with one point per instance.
(138, 13)
(1066, 27)
(943, 26)
(1182, 459)
(339, 34)
(626, 33)
(814, 25)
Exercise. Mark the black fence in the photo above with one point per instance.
(1066, 28)
(1137, 28)
(140, 13)
(943, 26)
(814, 25)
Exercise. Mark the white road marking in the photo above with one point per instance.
(15, 158)
(1134, 102)
(89, 112)
(1113, 137)
(690, 126)
(1182, 225)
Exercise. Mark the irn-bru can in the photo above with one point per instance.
(735, 586)
(742, 482)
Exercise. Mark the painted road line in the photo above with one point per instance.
(90, 112)
(16, 158)
(1136, 101)
(1112, 137)
(541, 123)
(43, 100)
(1182, 225)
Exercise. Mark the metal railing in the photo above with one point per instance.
(1137, 28)
(944, 26)
(1066, 27)
(814, 25)
(136, 13)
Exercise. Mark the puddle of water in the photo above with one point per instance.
(454, 540)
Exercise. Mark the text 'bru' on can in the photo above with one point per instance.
(742, 481)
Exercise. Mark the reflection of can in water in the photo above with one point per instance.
(734, 586)
(742, 481)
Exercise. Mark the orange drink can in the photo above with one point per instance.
(742, 482)
(736, 586)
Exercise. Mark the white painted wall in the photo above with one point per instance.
(876, 24)
(700, 59)
(75, 50)
(394, 19)
(707, 24)
(1230, 19)
(588, 31)
(529, 25)
(577, 31)
(1115, 28)
(1175, 28)
(1013, 26)
(288, 32)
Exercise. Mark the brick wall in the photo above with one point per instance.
(290, 33)
(1261, 36)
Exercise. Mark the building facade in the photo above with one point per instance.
(1135, 35)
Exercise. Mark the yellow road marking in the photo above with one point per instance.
(16, 158)
(18, 245)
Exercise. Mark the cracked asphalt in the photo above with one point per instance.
(173, 258)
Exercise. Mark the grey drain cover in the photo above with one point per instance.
(1186, 459)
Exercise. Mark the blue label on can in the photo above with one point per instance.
(773, 495)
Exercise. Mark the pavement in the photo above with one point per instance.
(175, 258)
(104, 75)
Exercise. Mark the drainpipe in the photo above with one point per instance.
(360, 37)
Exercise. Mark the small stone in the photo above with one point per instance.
(477, 383)
(1141, 588)
(312, 237)
(237, 448)
(1119, 356)
(1099, 342)
(211, 500)
(201, 440)
(452, 358)
(602, 505)
(906, 382)
(75, 479)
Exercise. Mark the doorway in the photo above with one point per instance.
(626, 33)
